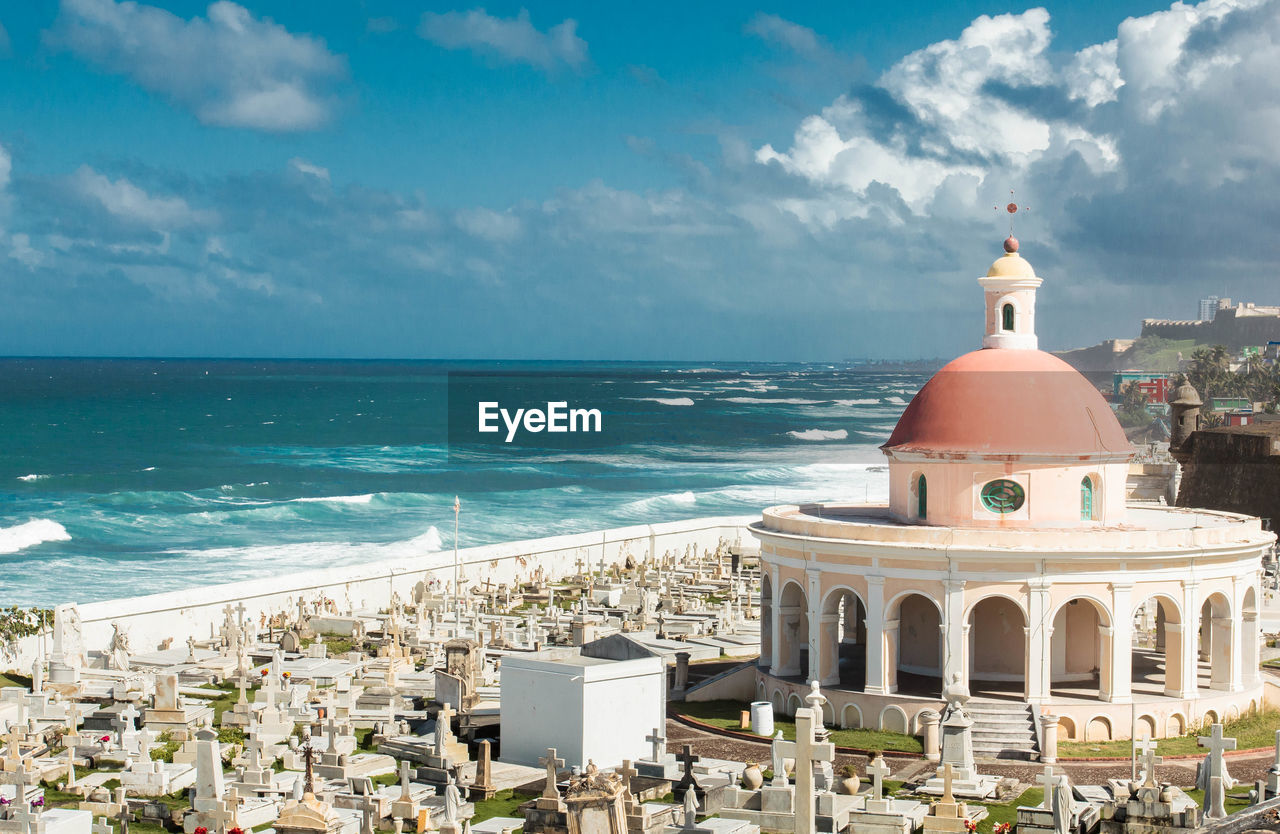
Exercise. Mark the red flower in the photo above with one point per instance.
(264, 674)
(970, 826)
(105, 739)
(236, 830)
(201, 830)
(1003, 828)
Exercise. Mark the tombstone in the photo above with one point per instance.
(948, 815)
(885, 815)
(1215, 788)
(169, 714)
(482, 786)
(957, 749)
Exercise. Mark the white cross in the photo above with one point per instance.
(1149, 760)
(948, 776)
(1047, 779)
(659, 742)
(877, 770)
(1217, 745)
(552, 764)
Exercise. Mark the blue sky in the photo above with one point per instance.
(585, 180)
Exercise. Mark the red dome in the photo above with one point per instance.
(1009, 402)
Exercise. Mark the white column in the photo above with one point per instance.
(1190, 639)
(1121, 643)
(813, 593)
(1237, 636)
(775, 623)
(876, 659)
(1038, 635)
(1249, 649)
(953, 659)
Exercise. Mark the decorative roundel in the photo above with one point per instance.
(1003, 496)
(1012, 208)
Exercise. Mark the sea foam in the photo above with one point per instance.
(22, 536)
(820, 434)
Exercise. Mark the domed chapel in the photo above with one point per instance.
(1007, 558)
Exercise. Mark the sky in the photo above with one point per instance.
(656, 181)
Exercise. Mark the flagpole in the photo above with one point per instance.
(457, 573)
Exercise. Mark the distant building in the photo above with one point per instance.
(1209, 307)
(1155, 385)
(1235, 326)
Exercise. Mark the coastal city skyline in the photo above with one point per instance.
(569, 182)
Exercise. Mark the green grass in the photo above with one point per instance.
(364, 739)
(727, 715)
(1231, 805)
(503, 804)
(1250, 731)
(1007, 811)
(12, 679)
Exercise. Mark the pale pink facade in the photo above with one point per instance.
(1020, 569)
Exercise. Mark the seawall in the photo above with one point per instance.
(197, 612)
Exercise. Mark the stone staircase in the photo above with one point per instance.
(1003, 730)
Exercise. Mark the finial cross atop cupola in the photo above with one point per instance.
(1012, 209)
(1010, 295)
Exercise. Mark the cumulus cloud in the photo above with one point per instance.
(511, 39)
(228, 67)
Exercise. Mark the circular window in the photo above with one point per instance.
(1003, 496)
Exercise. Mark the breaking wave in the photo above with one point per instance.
(36, 531)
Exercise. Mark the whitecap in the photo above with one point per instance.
(664, 400)
(820, 434)
(895, 400)
(872, 401)
(33, 477)
(773, 400)
(36, 531)
(336, 499)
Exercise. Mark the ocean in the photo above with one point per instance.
(125, 477)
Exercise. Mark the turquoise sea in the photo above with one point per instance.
(124, 477)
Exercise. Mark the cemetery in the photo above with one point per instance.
(547, 704)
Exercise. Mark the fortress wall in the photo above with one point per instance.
(1234, 471)
(150, 620)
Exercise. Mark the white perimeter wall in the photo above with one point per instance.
(150, 620)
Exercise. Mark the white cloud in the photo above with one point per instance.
(309, 169)
(122, 199)
(513, 39)
(228, 67)
(493, 226)
(782, 32)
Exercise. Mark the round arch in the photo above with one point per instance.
(842, 644)
(913, 644)
(1217, 638)
(1156, 653)
(851, 716)
(791, 655)
(1080, 649)
(997, 620)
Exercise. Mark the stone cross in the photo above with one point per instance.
(552, 764)
(808, 750)
(1217, 745)
(687, 758)
(1149, 761)
(331, 729)
(659, 742)
(367, 806)
(404, 781)
(1048, 780)
(877, 770)
(948, 776)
